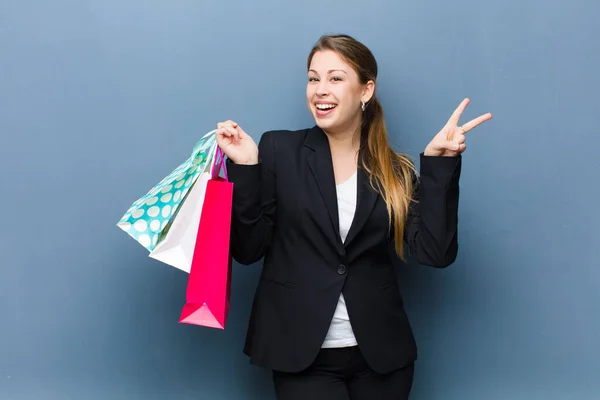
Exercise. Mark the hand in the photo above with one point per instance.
(450, 141)
(236, 144)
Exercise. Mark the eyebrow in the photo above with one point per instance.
(330, 71)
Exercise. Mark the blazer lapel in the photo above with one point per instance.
(321, 166)
(366, 199)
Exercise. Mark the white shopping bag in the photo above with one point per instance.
(177, 246)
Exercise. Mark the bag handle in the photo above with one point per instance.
(219, 164)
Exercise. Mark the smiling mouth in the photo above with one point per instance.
(325, 107)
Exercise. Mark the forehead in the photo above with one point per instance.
(326, 60)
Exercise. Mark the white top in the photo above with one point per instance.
(340, 332)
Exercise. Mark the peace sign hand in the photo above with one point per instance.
(450, 141)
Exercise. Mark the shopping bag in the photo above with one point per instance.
(176, 248)
(148, 219)
(209, 282)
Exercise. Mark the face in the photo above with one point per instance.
(334, 93)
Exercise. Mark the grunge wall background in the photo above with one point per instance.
(101, 99)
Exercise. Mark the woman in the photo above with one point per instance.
(328, 208)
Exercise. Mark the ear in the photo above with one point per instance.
(368, 91)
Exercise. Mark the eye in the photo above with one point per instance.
(336, 78)
(313, 79)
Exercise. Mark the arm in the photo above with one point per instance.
(254, 203)
(431, 226)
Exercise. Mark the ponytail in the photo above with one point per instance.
(391, 174)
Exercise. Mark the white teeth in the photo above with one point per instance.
(325, 106)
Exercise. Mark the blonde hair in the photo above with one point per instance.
(391, 174)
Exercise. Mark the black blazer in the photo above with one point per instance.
(285, 209)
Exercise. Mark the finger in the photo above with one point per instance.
(454, 134)
(462, 148)
(238, 132)
(228, 122)
(241, 133)
(234, 132)
(452, 146)
(228, 133)
(223, 134)
(458, 112)
(224, 125)
(476, 122)
(459, 139)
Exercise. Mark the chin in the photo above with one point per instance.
(324, 123)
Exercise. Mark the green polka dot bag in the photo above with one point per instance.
(149, 218)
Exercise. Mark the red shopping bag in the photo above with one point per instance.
(209, 282)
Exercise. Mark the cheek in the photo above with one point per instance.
(346, 96)
(350, 103)
(309, 93)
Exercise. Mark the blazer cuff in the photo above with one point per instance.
(440, 168)
(242, 176)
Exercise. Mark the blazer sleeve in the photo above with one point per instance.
(254, 204)
(431, 228)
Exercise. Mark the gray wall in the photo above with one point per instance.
(100, 99)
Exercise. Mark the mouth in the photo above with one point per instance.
(324, 109)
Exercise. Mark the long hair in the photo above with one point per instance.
(391, 174)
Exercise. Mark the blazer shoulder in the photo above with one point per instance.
(285, 137)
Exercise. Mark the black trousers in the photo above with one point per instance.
(343, 374)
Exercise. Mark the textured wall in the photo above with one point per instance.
(101, 99)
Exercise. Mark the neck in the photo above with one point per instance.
(345, 141)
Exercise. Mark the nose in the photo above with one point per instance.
(322, 88)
